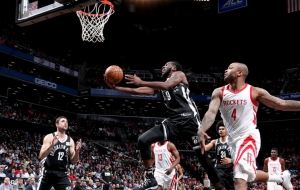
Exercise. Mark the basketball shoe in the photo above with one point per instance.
(286, 176)
(150, 183)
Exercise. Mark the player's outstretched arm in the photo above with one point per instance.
(266, 98)
(176, 78)
(209, 117)
(48, 143)
(134, 91)
(210, 145)
(212, 111)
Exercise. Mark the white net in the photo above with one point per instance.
(93, 19)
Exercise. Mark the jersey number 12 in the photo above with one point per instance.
(60, 156)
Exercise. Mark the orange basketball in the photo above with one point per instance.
(114, 74)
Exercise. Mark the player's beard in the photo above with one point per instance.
(166, 74)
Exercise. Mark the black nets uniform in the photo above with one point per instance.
(106, 175)
(183, 117)
(54, 168)
(183, 122)
(224, 170)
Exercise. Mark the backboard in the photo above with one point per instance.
(29, 12)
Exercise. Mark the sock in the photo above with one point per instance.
(149, 171)
(275, 178)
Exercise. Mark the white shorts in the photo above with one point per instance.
(274, 186)
(165, 181)
(245, 149)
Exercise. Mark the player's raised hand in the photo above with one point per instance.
(202, 136)
(133, 79)
(55, 140)
(78, 145)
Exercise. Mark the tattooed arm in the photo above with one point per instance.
(213, 109)
(209, 117)
(264, 97)
(176, 78)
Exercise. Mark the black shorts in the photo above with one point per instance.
(226, 178)
(182, 127)
(58, 179)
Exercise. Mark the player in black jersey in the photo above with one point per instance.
(183, 120)
(223, 159)
(55, 153)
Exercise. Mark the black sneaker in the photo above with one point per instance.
(149, 183)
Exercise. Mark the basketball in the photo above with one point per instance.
(114, 74)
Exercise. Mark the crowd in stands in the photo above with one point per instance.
(19, 152)
(12, 37)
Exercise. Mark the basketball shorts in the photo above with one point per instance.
(58, 179)
(165, 181)
(226, 178)
(274, 186)
(245, 149)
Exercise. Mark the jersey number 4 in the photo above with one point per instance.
(60, 156)
(233, 115)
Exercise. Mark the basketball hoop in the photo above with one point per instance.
(93, 20)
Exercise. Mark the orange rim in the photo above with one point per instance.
(95, 15)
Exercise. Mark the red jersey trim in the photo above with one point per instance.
(168, 146)
(223, 89)
(228, 88)
(251, 97)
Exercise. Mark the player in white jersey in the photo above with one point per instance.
(274, 165)
(238, 103)
(166, 158)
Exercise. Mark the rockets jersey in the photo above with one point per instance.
(179, 102)
(238, 110)
(163, 157)
(274, 166)
(222, 150)
(58, 158)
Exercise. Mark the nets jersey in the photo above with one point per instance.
(58, 158)
(179, 102)
(223, 150)
(163, 157)
(274, 166)
(238, 110)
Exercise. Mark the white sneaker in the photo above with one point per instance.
(286, 176)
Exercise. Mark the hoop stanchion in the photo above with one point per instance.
(93, 19)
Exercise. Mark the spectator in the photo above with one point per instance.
(6, 185)
(19, 185)
(1, 172)
(31, 185)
